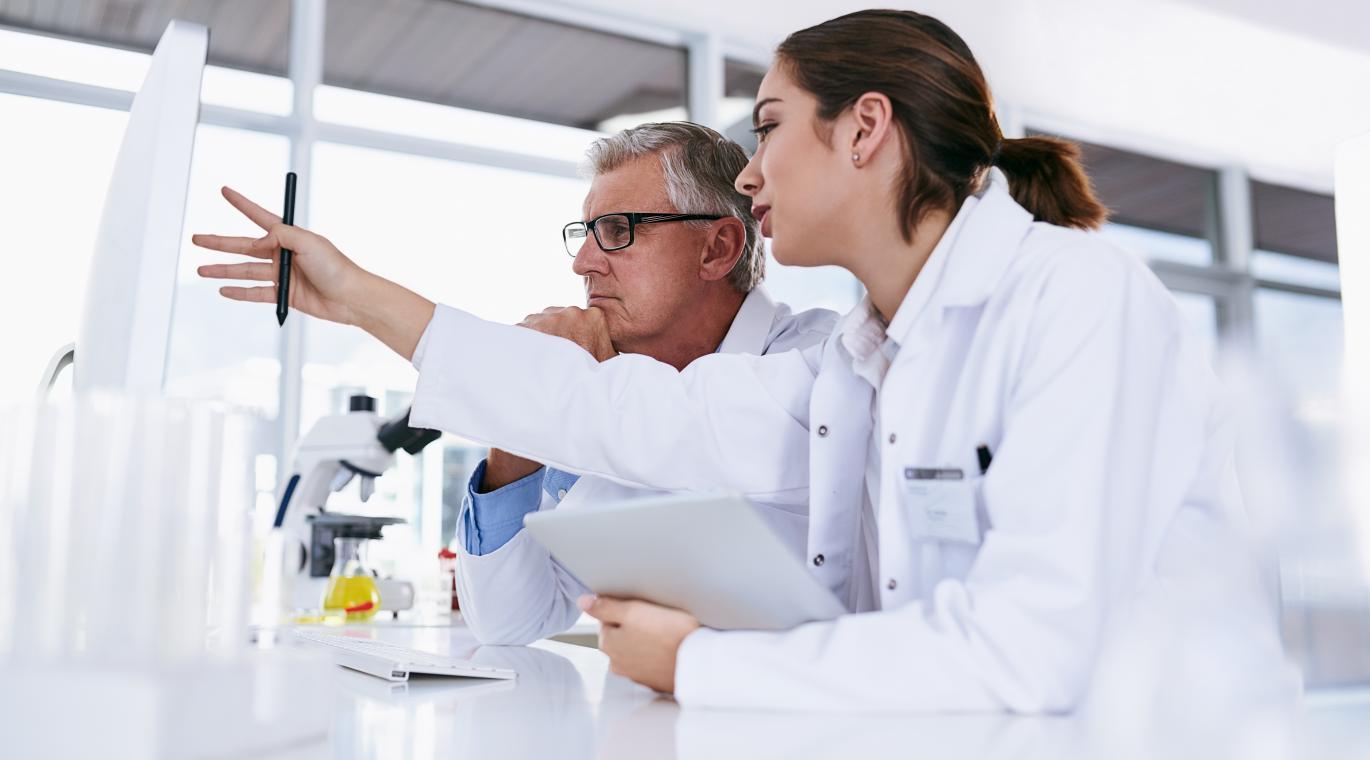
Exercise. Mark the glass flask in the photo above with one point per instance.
(351, 585)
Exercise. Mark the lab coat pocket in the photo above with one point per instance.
(941, 505)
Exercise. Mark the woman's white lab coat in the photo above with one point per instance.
(1111, 495)
(518, 593)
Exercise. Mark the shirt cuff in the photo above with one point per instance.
(492, 519)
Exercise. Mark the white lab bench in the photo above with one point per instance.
(566, 704)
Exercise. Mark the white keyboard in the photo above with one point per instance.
(392, 662)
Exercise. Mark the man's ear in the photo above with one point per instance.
(723, 246)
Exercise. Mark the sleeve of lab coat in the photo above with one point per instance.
(516, 594)
(728, 422)
(511, 589)
(1097, 404)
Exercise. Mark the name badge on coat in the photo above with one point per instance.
(940, 504)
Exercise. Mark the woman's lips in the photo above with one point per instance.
(763, 215)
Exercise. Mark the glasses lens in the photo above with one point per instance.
(573, 235)
(614, 231)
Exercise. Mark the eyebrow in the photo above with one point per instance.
(756, 112)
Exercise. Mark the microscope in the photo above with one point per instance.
(340, 447)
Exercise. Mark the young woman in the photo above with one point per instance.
(1012, 450)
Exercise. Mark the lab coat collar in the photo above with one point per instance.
(971, 257)
(752, 325)
(861, 333)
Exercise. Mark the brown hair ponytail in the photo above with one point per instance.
(944, 112)
(1046, 178)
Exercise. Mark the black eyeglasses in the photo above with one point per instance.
(614, 232)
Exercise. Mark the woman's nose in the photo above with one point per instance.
(749, 181)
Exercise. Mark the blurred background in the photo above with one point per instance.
(438, 143)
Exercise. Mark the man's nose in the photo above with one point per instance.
(590, 258)
(749, 181)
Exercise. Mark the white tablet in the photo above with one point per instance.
(712, 556)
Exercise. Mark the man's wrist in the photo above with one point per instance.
(503, 468)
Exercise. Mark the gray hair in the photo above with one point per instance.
(700, 166)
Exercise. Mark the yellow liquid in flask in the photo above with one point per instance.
(355, 595)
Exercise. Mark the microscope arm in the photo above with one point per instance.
(303, 496)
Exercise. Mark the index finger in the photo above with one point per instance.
(259, 216)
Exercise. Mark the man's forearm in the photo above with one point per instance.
(393, 314)
(503, 468)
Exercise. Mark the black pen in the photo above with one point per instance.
(283, 278)
(983, 453)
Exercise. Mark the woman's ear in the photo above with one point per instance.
(874, 121)
(723, 246)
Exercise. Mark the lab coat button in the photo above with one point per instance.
(822, 431)
(891, 584)
(818, 560)
(891, 437)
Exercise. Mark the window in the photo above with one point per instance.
(740, 84)
(1161, 209)
(46, 144)
(1301, 335)
(1296, 236)
(1294, 222)
(1296, 270)
(219, 349)
(432, 121)
(247, 49)
(1156, 245)
(68, 60)
(482, 239)
(802, 288)
(1299, 342)
(252, 35)
(1200, 314)
(1298, 328)
(240, 365)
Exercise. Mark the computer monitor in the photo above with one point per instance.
(122, 337)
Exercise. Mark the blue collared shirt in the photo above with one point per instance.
(492, 519)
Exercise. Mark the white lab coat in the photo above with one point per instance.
(1112, 490)
(518, 593)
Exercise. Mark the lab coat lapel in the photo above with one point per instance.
(985, 247)
(839, 429)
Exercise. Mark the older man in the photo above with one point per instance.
(672, 261)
